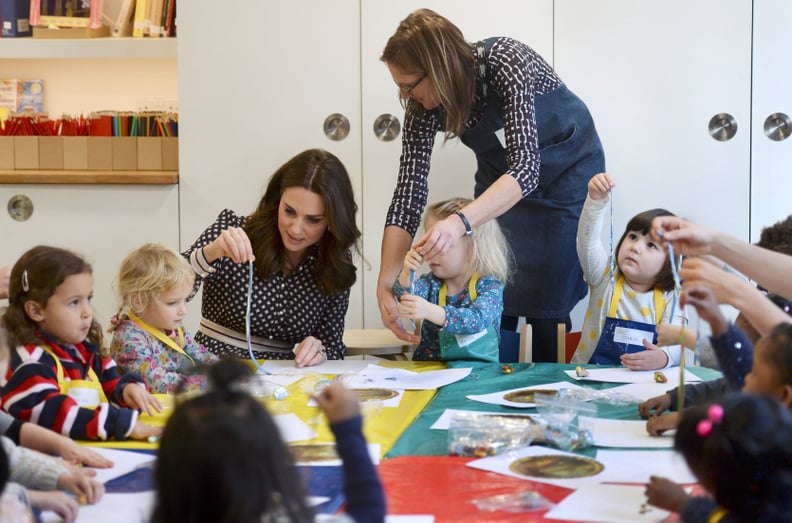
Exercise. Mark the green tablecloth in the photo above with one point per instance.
(420, 440)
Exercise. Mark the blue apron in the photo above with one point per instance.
(621, 336)
(541, 228)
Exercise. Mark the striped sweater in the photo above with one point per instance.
(33, 392)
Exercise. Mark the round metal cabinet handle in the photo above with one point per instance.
(722, 127)
(336, 127)
(20, 207)
(778, 127)
(386, 127)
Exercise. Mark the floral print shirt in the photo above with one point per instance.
(463, 316)
(138, 351)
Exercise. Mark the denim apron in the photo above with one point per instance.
(541, 228)
(87, 393)
(621, 336)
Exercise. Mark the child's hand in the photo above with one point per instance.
(338, 403)
(137, 397)
(87, 490)
(658, 425)
(668, 334)
(416, 308)
(704, 300)
(76, 454)
(649, 359)
(59, 502)
(666, 494)
(412, 260)
(142, 431)
(655, 406)
(600, 186)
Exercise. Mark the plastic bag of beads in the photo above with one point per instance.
(486, 434)
(525, 501)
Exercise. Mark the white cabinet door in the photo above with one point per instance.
(101, 223)
(771, 160)
(453, 165)
(653, 75)
(255, 92)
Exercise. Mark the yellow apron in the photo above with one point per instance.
(86, 393)
(157, 333)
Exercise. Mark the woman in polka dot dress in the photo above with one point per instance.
(300, 240)
(624, 307)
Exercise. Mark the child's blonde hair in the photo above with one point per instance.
(488, 248)
(149, 271)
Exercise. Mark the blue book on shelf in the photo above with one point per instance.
(15, 18)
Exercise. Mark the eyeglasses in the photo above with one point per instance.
(410, 88)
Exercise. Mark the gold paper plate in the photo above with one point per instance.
(526, 395)
(313, 452)
(375, 394)
(555, 466)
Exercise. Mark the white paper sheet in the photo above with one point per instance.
(610, 503)
(625, 433)
(636, 466)
(124, 461)
(496, 398)
(444, 421)
(389, 377)
(329, 367)
(133, 507)
(625, 375)
(642, 391)
(374, 450)
(292, 428)
(500, 464)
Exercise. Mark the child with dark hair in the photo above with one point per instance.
(222, 458)
(765, 367)
(740, 450)
(60, 374)
(631, 296)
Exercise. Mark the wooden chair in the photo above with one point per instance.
(567, 343)
(523, 352)
(377, 342)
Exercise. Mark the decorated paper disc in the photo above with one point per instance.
(526, 395)
(556, 466)
(375, 394)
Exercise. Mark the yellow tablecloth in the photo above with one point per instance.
(383, 427)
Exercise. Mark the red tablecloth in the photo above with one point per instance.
(444, 486)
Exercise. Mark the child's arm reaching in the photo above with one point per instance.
(362, 487)
(668, 334)
(58, 502)
(412, 262)
(416, 308)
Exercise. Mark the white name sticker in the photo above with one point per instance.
(466, 339)
(631, 336)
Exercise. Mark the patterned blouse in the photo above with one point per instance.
(462, 315)
(516, 74)
(165, 369)
(284, 307)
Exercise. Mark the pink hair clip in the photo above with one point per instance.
(714, 415)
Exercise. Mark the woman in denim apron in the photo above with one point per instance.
(536, 148)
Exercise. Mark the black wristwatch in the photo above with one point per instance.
(468, 228)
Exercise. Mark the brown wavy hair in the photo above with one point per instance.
(428, 43)
(321, 173)
(44, 268)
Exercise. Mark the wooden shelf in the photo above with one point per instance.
(88, 48)
(89, 177)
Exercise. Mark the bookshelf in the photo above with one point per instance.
(107, 48)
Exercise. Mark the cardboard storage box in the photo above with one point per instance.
(100, 153)
(51, 152)
(26, 152)
(124, 153)
(6, 152)
(75, 153)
